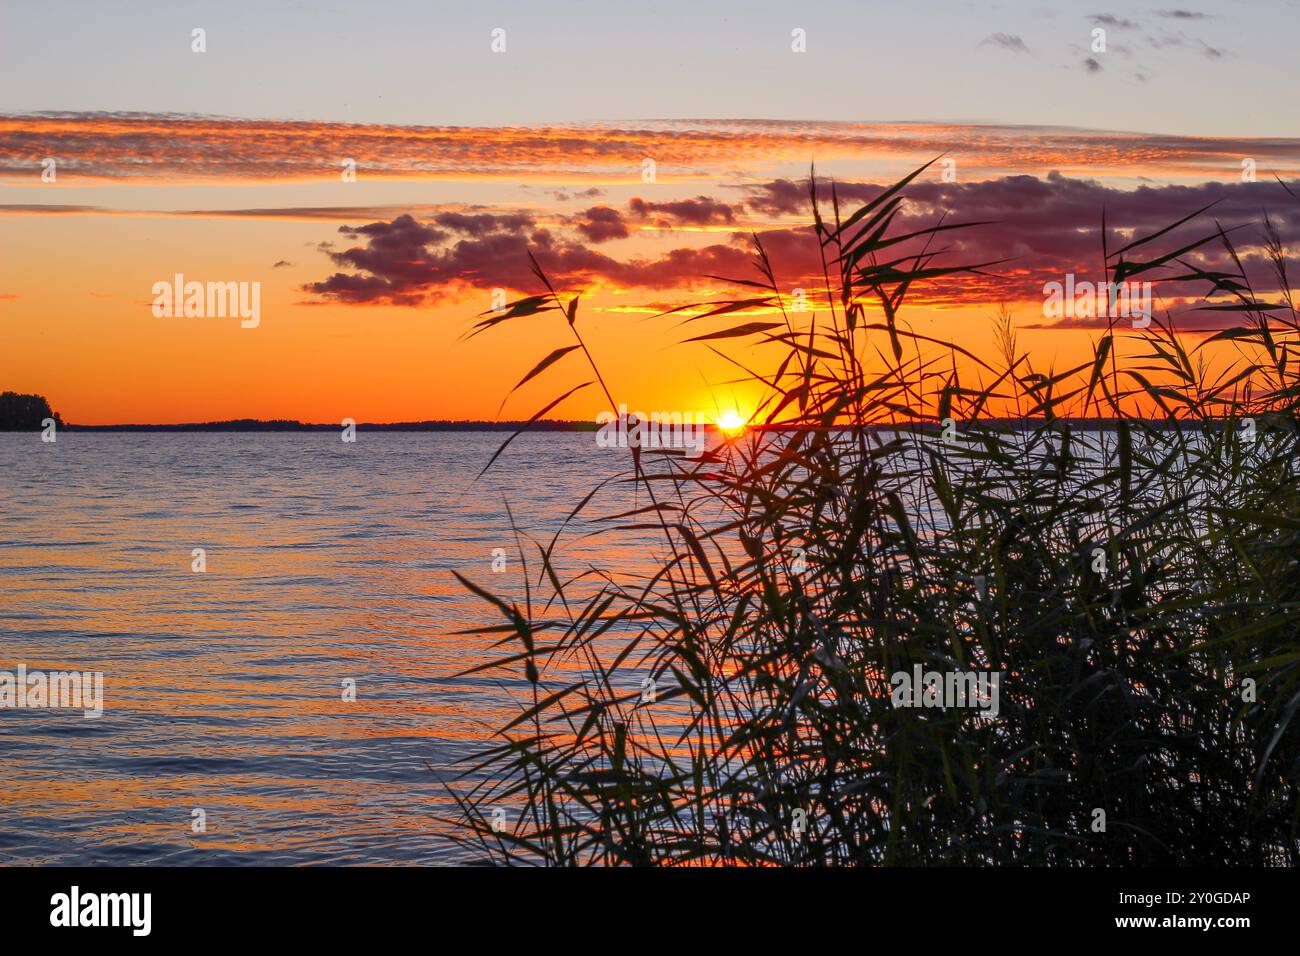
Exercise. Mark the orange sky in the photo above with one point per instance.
(75, 285)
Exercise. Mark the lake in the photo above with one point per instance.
(326, 562)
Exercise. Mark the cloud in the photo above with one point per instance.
(700, 211)
(1181, 40)
(1110, 20)
(282, 264)
(1091, 65)
(1043, 227)
(1008, 41)
(404, 262)
(170, 148)
(561, 196)
(326, 213)
(483, 224)
(601, 223)
(1183, 15)
(408, 263)
(47, 208)
(781, 197)
(1167, 40)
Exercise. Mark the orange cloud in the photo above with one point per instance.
(135, 146)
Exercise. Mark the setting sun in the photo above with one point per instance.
(731, 421)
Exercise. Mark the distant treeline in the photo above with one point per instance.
(548, 425)
(283, 425)
(28, 411)
(24, 412)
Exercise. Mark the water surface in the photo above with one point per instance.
(326, 562)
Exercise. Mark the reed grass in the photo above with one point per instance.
(844, 539)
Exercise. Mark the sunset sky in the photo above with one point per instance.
(226, 166)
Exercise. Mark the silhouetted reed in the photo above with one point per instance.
(901, 501)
